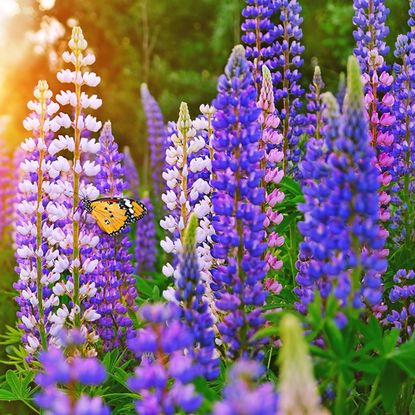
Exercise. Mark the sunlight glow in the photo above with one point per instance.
(8, 8)
(46, 4)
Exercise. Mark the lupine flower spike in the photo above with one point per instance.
(157, 140)
(190, 292)
(242, 395)
(113, 275)
(37, 231)
(237, 199)
(270, 143)
(60, 377)
(75, 183)
(163, 378)
(344, 246)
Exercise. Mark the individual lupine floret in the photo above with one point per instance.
(314, 105)
(341, 214)
(163, 379)
(113, 276)
(243, 396)
(189, 293)
(270, 143)
(237, 199)
(188, 187)
(77, 243)
(401, 312)
(60, 379)
(37, 232)
(157, 140)
(298, 393)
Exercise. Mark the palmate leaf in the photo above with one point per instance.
(17, 387)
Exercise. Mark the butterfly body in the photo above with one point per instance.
(114, 214)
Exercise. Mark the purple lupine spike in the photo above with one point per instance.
(404, 149)
(277, 46)
(371, 30)
(401, 311)
(314, 105)
(157, 139)
(260, 37)
(190, 292)
(59, 378)
(314, 169)
(237, 199)
(341, 211)
(288, 93)
(113, 276)
(270, 142)
(242, 395)
(146, 241)
(131, 178)
(6, 193)
(163, 377)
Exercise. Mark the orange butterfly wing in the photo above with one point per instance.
(110, 217)
(114, 214)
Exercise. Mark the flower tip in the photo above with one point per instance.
(144, 89)
(190, 237)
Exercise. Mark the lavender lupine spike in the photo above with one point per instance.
(37, 232)
(298, 393)
(157, 140)
(237, 200)
(288, 94)
(132, 179)
(189, 293)
(59, 378)
(278, 47)
(113, 276)
(314, 169)
(146, 241)
(340, 214)
(73, 185)
(404, 128)
(188, 186)
(260, 37)
(314, 105)
(6, 193)
(163, 378)
(270, 142)
(401, 312)
(242, 395)
(371, 31)
(370, 19)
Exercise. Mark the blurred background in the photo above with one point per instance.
(179, 47)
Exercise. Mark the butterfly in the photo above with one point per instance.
(114, 214)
